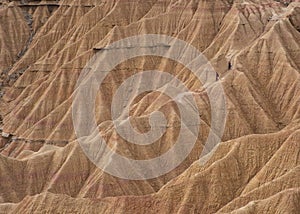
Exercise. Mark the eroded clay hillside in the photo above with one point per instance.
(254, 46)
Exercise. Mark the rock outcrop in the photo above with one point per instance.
(254, 46)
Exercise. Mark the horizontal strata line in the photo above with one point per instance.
(132, 47)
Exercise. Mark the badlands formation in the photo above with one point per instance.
(254, 46)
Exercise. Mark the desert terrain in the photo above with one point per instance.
(254, 49)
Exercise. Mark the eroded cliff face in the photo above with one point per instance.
(253, 45)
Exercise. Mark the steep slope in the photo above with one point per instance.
(253, 46)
